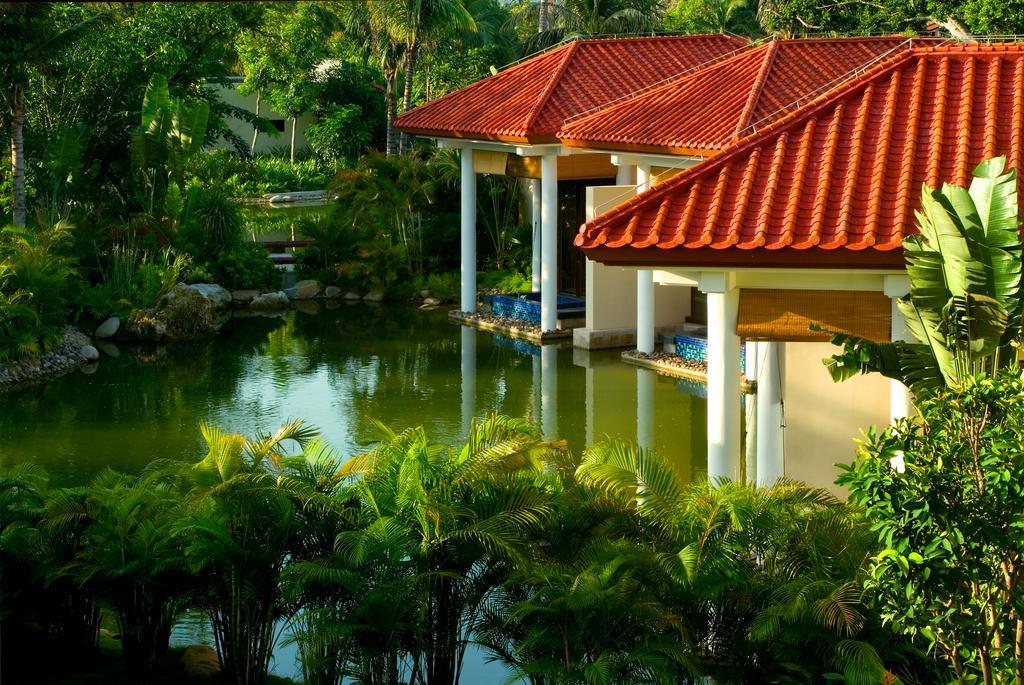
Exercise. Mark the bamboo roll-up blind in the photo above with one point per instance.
(786, 315)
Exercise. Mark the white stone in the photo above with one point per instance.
(109, 328)
(431, 301)
(373, 296)
(303, 290)
(89, 353)
(353, 296)
(332, 291)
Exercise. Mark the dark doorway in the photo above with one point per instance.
(572, 211)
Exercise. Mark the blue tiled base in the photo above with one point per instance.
(696, 350)
(520, 346)
(527, 307)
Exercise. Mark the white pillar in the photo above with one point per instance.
(750, 414)
(535, 211)
(723, 411)
(468, 371)
(468, 300)
(549, 243)
(771, 464)
(900, 403)
(549, 391)
(624, 175)
(645, 337)
(645, 379)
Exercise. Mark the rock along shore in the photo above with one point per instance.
(65, 357)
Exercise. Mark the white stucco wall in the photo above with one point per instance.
(823, 418)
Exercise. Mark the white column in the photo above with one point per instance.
(549, 243)
(624, 175)
(750, 414)
(535, 210)
(645, 337)
(900, 403)
(468, 370)
(468, 301)
(770, 462)
(723, 411)
(645, 379)
(549, 391)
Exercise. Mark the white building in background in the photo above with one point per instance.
(243, 129)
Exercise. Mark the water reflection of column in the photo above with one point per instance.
(549, 391)
(645, 408)
(536, 391)
(468, 376)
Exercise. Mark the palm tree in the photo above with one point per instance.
(32, 39)
(965, 302)
(571, 18)
(453, 519)
(245, 526)
(130, 558)
(782, 565)
(738, 17)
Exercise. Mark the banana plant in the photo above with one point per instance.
(964, 306)
(169, 133)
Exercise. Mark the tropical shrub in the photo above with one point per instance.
(132, 277)
(509, 281)
(129, 556)
(213, 222)
(37, 275)
(340, 135)
(245, 266)
(944, 495)
(965, 301)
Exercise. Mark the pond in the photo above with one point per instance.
(338, 369)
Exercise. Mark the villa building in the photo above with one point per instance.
(775, 185)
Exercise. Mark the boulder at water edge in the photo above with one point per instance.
(303, 290)
(200, 661)
(89, 353)
(269, 302)
(332, 291)
(244, 297)
(373, 296)
(183, 312)
(108, 329)
(352, 297)
(219, 297)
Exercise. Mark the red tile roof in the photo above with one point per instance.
(704, 111)
(840, 175)
(530, 101)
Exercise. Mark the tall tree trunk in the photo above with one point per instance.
(542, 16)
(255, 127)
(391, 146)
(295, 121)
(413, 52)
(16, 99)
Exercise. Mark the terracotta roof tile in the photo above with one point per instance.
(530, 101)
(843, 172)
(706, 110)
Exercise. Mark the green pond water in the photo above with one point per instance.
(339, 369)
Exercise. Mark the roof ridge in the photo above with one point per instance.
(740, 146)
(550, 87)
(866, 70)
(667, 82)
(664, 36)
(478, 84)
(755, 92)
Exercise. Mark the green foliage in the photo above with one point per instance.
(982, 17)
(338, 136)
(245, 266)
(132, 277)
(213, 222)
(713, 16)
(944, 496)
(37, 273)
(509, 281)
(965, 297)
(250, 177)
(171, 131)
